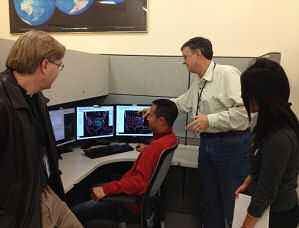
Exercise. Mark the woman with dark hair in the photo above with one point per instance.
(274, 153)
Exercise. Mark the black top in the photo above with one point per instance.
(40, 133)
(274, 173)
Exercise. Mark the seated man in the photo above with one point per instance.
(162, 115)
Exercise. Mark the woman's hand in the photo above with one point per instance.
(249, 221)
(243, 187)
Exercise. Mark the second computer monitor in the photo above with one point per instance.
(63, 122)
(130, 123)
(95, 122)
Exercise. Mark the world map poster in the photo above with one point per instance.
(78, 15)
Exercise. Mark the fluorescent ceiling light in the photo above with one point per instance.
(107, 2)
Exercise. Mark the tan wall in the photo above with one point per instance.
(236, 28)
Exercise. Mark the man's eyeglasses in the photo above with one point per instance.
(186, 56)
(60, 66)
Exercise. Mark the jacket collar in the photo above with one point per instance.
(15, 93)
(162, 133)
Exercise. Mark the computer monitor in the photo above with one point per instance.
(95, 122)
(130, 123)
(64, 125)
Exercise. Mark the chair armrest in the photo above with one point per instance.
(121, 199)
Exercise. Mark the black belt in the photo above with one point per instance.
(224, 134)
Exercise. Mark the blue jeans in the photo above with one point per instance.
(223, 165)
(91, 210)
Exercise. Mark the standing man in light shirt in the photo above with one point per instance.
(220, 117)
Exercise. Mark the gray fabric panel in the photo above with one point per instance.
(156, 75)
(5, 46)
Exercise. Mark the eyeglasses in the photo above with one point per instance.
(186, 56)
(60, 66)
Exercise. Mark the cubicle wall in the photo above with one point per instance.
(156, 75)
(84, 76)
(4, 49)
(142, 79)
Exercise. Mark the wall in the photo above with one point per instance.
(236, 28)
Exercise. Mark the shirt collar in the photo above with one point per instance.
(29, 99)
(208, 76)
(162, 133)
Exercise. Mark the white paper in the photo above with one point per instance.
(241, 206)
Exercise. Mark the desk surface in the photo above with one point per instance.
(75, 166)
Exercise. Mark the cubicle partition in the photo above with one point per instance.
(84, 76)
(141, 79)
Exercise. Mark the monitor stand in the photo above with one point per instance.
(93, 142)
(63, 149)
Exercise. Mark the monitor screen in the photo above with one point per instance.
(130, 123)
(63, 123)
(95, 122)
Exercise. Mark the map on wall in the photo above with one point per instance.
(78, 15)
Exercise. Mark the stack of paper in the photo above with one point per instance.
(241, 206)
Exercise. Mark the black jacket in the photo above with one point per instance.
(20, 196)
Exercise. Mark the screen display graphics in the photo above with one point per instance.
(130, 123)
(95, 122)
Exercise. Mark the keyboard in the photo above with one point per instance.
(103, 151)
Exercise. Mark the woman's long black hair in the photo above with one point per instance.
(266, 83)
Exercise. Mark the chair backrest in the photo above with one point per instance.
(151, 196)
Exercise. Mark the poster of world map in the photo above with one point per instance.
(78, 15)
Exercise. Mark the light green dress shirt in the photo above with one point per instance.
(220, 99)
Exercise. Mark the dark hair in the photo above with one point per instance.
(167, 109)
(202, 44)
(266, 82)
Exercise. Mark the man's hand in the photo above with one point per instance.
(140, 147)
(199, 124)
(97, 193)
(145, 112)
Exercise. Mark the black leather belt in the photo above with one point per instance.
(224, 134)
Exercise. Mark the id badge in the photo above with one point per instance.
(46, 165)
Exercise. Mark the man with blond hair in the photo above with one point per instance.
(31, 191)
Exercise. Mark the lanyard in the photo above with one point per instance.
(199, 95)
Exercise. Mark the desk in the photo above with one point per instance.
(75, 166)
